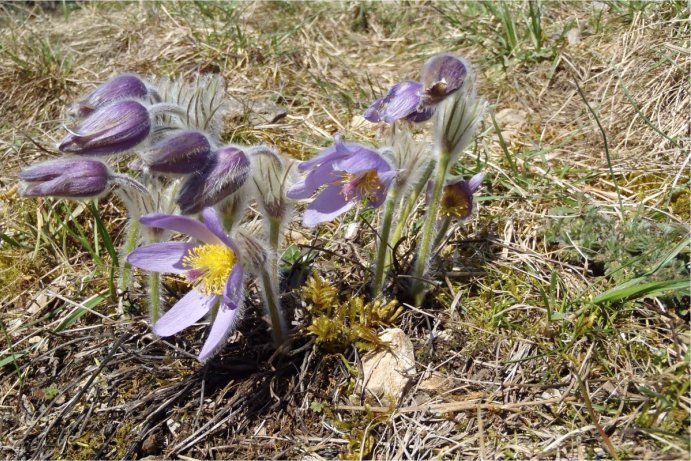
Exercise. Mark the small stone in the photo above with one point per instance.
(387, 372)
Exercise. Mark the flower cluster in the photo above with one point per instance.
(170, 130)
(396, 175)
(181, 178)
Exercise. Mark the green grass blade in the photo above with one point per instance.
(634, 289)
(89, 304)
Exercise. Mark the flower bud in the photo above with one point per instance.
(456, 120)
(182, 153)
(71, 177)
(224, 173)
(270, 177)
(125, 86)
(111, 129)
(442, 75)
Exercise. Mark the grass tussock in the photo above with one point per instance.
(557, 328)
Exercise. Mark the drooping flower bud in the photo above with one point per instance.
(457, 196)
(224, 173)
(442, 75)
(183, 153)
(125, 86)
(111, 129)
(70, 177)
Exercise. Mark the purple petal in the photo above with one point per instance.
(160, 257)
(475, 182)
(220, 330)
(125, 86)
(182, 224)
(185, 313)
(314, 180)
(421, 115)
(232, 294)
(69, 186)
(109, 130)
(184, 152)
(402, 100)
(442, 75)
(364, 160)
(372, 113)
(329, 204)
(213, 223)
(225, 172)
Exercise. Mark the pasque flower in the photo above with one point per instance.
(441, 76)
(124, 86)
(111, 129)
(68, 177)
(213, 267)
(457, 196)
(224, 173)
(184, 152)
(351, 173)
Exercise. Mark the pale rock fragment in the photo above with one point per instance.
(387, 372)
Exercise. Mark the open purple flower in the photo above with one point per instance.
(213, 267)
(69, 177)
(125, 86)
(457, 196)
(351, 173)
(111, 129)
(414, 101)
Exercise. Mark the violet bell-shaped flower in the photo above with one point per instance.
(111, 129)
(351, 173)
(457, 196)
(441, 76)
(182, 153)
(224, 173)
(68, 177)
(213, 267)
(124, 86)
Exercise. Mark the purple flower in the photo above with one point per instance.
(183, 153)
(404, 100)
(125, 86)
(441, 76)
(224, 173)
(350, 172)
(70, 177)
(111, 129)
(213, 267)
(457, 196)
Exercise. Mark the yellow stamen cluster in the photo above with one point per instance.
(454, 203)
(364, 185)
(209, 267)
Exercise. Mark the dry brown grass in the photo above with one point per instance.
(495, 378)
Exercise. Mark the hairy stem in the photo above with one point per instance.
(382, 250)
(130, 244)
(154, 296)
(441, 232)
(423, 254)
(273, 305)
(410, 203)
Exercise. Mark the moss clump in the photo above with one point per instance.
(336, 324)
